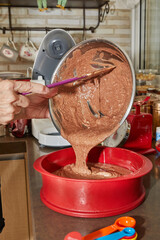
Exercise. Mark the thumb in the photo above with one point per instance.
(27, 87)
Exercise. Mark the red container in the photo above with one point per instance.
(93, 198)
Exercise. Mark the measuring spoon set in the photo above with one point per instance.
(124, 226)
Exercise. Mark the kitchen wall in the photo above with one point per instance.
(115, 27)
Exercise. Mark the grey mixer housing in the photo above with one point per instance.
(53, 47)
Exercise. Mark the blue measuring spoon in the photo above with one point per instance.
(126, 232)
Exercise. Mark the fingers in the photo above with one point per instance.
(21, 86)
(8, 112)
(22, 101)
(4, 120)
(11, 103)
(51, 92)
(14, 105)
(7, 95)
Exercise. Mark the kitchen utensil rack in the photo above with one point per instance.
(102, 7)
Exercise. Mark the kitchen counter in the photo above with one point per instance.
(48, 224)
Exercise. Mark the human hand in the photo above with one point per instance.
(14, 106)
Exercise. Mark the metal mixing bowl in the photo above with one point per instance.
(85, 46)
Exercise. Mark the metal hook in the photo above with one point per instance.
(28, 36)
(12, 35)
(104, 11)
(4, 30)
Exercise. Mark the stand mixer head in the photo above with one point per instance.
(53, 47)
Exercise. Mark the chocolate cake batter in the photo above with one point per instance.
(90, 111)
(98, 171)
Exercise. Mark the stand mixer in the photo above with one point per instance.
(53, 47)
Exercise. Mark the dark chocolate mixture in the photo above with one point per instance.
(90, 111)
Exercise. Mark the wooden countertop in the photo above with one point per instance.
(48, 224)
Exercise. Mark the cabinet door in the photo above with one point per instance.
(14, 200)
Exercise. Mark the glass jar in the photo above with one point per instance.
(141, 90)
(151, 91)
